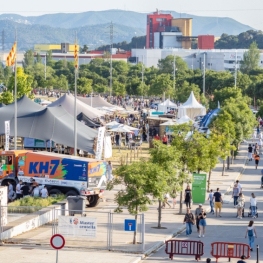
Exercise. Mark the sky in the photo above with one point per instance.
(246, 12)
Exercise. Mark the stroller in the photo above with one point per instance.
(249, 214)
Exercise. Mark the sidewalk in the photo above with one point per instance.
(172, 223)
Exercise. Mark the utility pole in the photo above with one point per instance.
(45, 66)
(236, 70)
(142, 75)
(204, 76)
(3, 40)
(111, 46)
(174, 68)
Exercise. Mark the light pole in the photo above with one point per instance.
(142, 76)
(174, 71)
(236, 71)
(204, 75)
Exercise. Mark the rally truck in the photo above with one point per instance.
(61, 174)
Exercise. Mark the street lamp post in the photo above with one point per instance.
(174, 72)
(204, 75)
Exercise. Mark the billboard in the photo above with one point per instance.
(73, 226)
(36, 143)
(199, 188)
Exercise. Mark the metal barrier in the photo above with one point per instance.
(229, 250)
(184, 247)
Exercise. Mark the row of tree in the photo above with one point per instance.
(169, 167)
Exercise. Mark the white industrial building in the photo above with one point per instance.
(215, 59)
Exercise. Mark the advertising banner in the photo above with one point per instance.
(107, 147)
(73, 226)
(199, 188)
(101, 132)
(3, 202)
(7, 134)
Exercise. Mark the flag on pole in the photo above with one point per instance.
(76, 56)
(11, 58)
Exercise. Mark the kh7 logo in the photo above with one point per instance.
(44, 167)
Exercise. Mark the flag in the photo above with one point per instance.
(11, 58)
(76, 56)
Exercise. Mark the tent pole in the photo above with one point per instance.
(15, 124)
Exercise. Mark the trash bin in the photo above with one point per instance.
(76, 204)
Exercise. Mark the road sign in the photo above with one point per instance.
(199, 188)
(57, 241)
(130, 225)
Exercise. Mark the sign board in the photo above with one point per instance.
(77, 226)
(57, 241)
(130, 225)
(107, 147)
(100, 141)
(7, 134)
(199, 188)
(35, 143)
(3, 200)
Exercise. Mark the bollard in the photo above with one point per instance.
(257, 253)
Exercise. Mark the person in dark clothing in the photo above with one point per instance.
(188, 197)
(25, 190)
(250, 151)
(242, 261)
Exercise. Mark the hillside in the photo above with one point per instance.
(93, 26)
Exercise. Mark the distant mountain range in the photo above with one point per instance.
(93, 27)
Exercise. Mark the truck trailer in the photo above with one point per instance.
(61, 174)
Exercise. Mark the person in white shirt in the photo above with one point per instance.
(18, 190)
(35, 192)
(251, 234)
(253, 205)
(239, 186)
(44, 192)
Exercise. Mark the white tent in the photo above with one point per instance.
(191, 108)
(164, 106)
(183, 119)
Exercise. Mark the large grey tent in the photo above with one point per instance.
(67, 102)
(96, 102)
(55, 124)
(24, 106)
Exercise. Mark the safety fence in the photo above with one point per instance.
(82, 229)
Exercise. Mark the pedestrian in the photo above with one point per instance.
(173, 195)
(218, 202)
(11, 193)
(253, 205)
(165, 201)
(208, 260)
(25, 189)
(165, 139)
(109, 171)
(198, 210)
(202, 223)
(239, 186)
(44, 192)
(250, 150)
(242, 261)
(188, 197)
(256, 149)
(257, 158)
(235, 194)
(189, 221)
(251, 233)
(18, 190)
(254, 136)
(211, 202)
(240, 205)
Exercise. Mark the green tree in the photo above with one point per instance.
(6, 97)
(118, 88)
(161, 84)
(183, 92)
(84, 86)
(251, 59)
(166, 65)
(84, 49)
(38, 58)
(28, 58)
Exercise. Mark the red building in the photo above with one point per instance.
(156, 22)
(206, 42)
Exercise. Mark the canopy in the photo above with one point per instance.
(67, 102)
(87, 121)
(55, 124)
(98, 102)
(163, 107)
(24, 106)
(112, 124)
(168, 123)
(191, 108)
(120, 129)
(184, 119)
(125, 126)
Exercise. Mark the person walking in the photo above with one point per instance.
(240, 205)
(211, 202)
(251, 234)
(253, 205)
(18, 190)
(239, 186)
(202, 223)
(189, 220)
(109, 171)
(257, 158)
(218, 202)
(188, 197)
(235, 194)
(165, 201)
(250, 151)
(198, 210)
